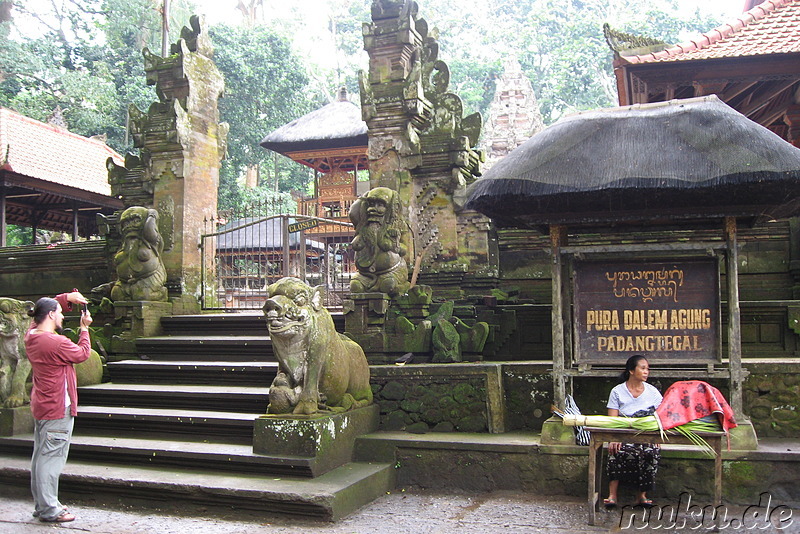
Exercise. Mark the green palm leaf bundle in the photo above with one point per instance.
(649, 423)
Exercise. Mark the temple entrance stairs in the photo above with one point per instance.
(177, 423)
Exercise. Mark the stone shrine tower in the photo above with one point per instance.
(514, 114)
(182, 143)
(422, 146)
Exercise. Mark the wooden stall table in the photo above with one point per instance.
(628, 435)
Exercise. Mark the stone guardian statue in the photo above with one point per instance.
(318, 368)
(379, 244)
(140, 270)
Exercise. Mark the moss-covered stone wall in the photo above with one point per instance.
(459, 397)
(31, 272)
(439, 398)
(772, 399)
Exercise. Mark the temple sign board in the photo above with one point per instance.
(667, 311)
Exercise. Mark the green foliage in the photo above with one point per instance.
(264, 89)
(84, 56)
(559, 44)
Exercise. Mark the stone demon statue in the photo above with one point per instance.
(14, 365)
(379, 244)
(138, 262)
(318, 368)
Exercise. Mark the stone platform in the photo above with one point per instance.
(518, 461)
(326, 441)
(16, 421)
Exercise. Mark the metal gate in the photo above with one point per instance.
(244, 256)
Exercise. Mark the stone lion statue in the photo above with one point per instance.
(319, 369)
(141, 273)
(14, 365)
(380, 243)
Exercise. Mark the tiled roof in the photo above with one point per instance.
(42, 151)
(772, 27)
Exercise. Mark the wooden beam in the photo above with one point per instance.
(734, 319)
(761, 100)
(735, 90)
(708, 88)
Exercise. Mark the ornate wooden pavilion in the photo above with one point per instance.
(751, 63)
(333, 141)
(52, 179)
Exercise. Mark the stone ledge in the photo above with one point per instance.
(516, 461)
(326, 440)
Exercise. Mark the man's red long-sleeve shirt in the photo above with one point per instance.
(52, 357)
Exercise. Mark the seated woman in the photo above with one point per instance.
(634, 463)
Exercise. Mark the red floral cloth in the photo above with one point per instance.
(692, 399)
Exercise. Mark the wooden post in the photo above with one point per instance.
(285, 236)
(75, 222)
(734, 318)
(558, 238)
(3, 229)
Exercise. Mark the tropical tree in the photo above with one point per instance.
(264, 89)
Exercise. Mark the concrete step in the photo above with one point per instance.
(193, 372)
(208, 324)
(245, 399)
(245, 323)
(209, 348)
(329, 497)
(159, 453)
(228, 427)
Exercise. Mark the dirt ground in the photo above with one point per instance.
(400, 512)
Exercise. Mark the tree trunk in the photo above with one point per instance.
(5, 10)
(251, 177)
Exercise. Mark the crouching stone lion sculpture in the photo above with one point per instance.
(318, 368)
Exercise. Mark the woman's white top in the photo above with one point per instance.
(630, 406)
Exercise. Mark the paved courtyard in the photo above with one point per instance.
(399, 512)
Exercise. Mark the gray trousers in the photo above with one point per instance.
(50, 449)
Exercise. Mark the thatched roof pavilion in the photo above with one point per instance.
(688, 159)
(331, 137)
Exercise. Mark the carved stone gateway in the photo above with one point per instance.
(182, 143)
(421, 146)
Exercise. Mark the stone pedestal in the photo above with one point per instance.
(743, 437)
(14, 421)
(327, 440)
(365, 313)
(137, 319)
(555, 432)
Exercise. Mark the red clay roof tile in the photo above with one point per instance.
(772, 27)
(46, 152)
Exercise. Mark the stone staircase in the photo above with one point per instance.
(178, 424)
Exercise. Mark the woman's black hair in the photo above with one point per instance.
(630, 366)
(43, 306)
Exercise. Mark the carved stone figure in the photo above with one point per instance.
(319, 369)
(14, 365)
(379, 244)
(138, 262)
